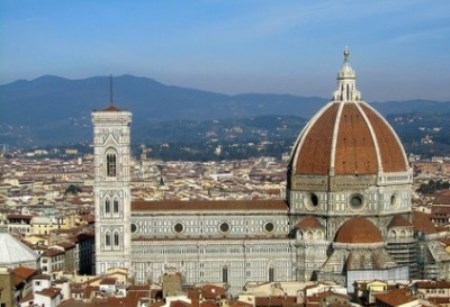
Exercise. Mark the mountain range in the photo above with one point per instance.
(56, 110)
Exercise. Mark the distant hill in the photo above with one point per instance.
(55, 110)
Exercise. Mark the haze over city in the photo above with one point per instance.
(400, 49)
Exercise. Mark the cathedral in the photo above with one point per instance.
(347, 213)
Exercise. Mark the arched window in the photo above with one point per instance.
(107, 206)
(116, 239)
(111, 165)
(107, 239)
(116, 206)
(224, 274)
(403, 234)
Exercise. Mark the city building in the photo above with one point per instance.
(347, 214)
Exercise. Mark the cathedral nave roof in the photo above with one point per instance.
(209, 205)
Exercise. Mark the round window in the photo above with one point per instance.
(393, 200)
(356, 201)
(133, 228)
(269, 227)
(224, 227)
(314, 199)
(178, 228)
(311, 201)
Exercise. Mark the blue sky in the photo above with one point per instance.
(399, 49)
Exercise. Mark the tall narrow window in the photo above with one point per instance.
(108, 239)
(111, 165)
(116, 206)
(271, 274)
(116, 239)
(107, 206)
(225, 274)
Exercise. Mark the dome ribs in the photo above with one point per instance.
(315, 152)
(355, 151)
(391, 152)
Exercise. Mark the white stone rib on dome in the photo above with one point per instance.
(12, 251)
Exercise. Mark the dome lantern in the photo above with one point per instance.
(346, 78)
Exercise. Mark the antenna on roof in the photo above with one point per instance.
(111, 89)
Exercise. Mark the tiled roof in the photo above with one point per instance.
(309, 222)
(399, 221)
(51, 252)
(433, 284)
(442, 198)
(41, 277)
(49, 292)
(212, 292)
(21, 274)
(207, 238)
(422, 222)
(273, 301)
(358, 230)
(395, 297)
(179, 303)
(108, 281)
(110, 108)
(210, 205)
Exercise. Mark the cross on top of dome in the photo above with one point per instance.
(346, 54)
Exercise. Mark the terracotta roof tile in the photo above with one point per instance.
(49, 292)
(399, 221)
(313, 156)
(213, 205)
(274, 301)
(21, 274)
(395, 297)
(392, 153)
(422, 222)
(433, 284)
(108, 281)
(355, 149)
(309, 222)
(442, 198)
(212, 292)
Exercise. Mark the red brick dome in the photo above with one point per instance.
(347, 137)
(358, 230)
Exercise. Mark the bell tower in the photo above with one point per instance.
(112, 187)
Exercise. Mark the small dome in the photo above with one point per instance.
(399, 221)
(309, 222)
(358, 230)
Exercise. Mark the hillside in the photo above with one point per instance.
(55, 110)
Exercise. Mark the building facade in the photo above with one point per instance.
(348, 208)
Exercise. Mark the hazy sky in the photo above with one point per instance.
(399, 49)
